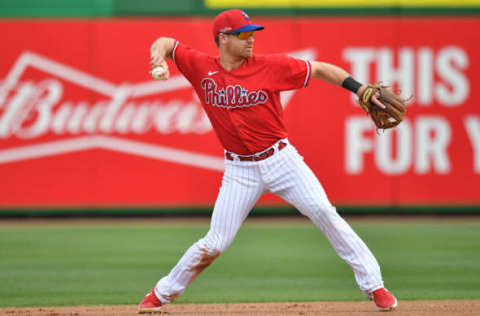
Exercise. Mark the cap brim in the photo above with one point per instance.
(248, 28)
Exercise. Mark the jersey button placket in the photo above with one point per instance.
(227, 82)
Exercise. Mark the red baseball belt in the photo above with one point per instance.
(256, 157)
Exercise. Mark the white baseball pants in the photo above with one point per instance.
(286, 175)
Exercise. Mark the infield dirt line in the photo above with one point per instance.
(406, 308)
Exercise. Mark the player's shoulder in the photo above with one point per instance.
(182, 48)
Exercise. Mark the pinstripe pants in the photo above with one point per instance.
(286, 175)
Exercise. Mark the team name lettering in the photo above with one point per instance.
(231, 96)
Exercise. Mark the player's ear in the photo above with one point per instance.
(222, 38)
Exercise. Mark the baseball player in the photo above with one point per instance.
(240, 92)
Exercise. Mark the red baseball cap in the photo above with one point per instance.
(233, 21)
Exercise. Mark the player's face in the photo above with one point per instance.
(240, 45)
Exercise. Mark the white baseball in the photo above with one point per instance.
(158, 72)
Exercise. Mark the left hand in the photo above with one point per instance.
(374, 99)
(384, 106)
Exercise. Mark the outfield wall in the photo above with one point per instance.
(83, 126)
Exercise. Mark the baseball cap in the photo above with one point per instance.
(233, 21)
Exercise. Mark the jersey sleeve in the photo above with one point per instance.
(289, 73)
(186, 58)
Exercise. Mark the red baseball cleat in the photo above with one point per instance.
(150, 303)
(384, 300)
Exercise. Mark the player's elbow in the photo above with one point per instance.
(164, 44)
(165, 40)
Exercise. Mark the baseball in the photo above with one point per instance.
(158, 72)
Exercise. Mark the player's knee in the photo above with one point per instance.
(327, 210)
(214, 244)
(213, 250)
(318, 209)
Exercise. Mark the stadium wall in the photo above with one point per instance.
(83, 128)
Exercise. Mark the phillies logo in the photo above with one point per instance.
(245, 15)
(231, 96)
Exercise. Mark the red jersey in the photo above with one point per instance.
(243, 104)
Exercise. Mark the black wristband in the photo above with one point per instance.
(351, 84)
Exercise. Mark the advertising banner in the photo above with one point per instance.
(82, 123)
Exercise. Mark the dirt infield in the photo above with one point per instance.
(406, 308)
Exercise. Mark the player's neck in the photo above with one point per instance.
(230, 62)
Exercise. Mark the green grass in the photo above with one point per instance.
(95, 264)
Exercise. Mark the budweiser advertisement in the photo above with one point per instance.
(82, 123)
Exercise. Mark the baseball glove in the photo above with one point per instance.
(394, 110)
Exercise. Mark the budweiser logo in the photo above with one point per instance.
(80, 112)
(31, 109)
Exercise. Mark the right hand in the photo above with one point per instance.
(156, 61)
